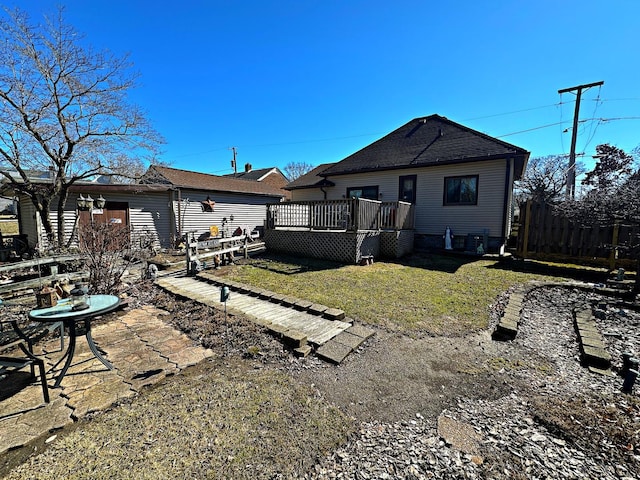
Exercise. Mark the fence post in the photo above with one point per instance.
(527, 222)
(614, 243)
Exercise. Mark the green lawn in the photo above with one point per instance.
(428, 293)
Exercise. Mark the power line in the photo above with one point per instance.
(584, 120)
(512, 112)
(593, 126)
(530, 129)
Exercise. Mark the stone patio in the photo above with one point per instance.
(143, 350)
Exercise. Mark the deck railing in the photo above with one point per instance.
(350, 214)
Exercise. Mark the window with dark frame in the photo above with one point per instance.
(461, 190)
(370, 192)
(407, 188)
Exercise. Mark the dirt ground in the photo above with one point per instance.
(395, 377)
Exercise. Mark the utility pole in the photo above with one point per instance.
(233, 162)
(571, 174)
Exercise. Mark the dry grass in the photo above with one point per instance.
(429, 293)
(218, 420)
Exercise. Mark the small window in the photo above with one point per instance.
(370, 192)
(461, 190)
(407, 190)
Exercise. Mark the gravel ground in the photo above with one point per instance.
(556, 420)
(432, 407)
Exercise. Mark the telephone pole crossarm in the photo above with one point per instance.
(581, 87)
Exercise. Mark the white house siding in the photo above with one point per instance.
(306, 194)
(27, 225)
(432, 217)
(249, 211)
(486, 215)
(31, 224)
(148, 213)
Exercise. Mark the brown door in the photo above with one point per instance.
(114, 213)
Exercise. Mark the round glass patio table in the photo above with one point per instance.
(63, 312)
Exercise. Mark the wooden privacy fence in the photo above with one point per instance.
(544, 230)
(351, 214)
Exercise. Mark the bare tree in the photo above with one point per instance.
(545, 179)
(293, 170)
(64, 110)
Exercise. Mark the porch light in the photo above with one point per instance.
(100, 202)
(89, 202)
(81, 202)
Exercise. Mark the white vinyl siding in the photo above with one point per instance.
(157, 212)
(249, 211)
(432, 216)
(307, 194)
(28, 224)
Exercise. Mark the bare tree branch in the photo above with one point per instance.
(64, 107)
(294, 170)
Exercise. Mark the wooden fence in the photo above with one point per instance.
(545, 231)
(351, 214)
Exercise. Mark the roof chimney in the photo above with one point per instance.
(247, 167)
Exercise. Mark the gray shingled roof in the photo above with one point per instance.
(428, 141)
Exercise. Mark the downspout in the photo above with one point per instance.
(508, 182)
(324, 192)
(172, 218)
(179, 215)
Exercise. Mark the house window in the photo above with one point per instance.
(461, 190)
(370, 192)
(407, 190)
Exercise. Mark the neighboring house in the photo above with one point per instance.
(268, 176)
(167, 204)
(237, 203)
(455, 176)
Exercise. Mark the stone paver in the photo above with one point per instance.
(349, 340)
(143, 350)
(333, 351)
(361, 331)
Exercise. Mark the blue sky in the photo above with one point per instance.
(314, 81)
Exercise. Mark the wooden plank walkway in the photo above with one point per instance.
(275, 316)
